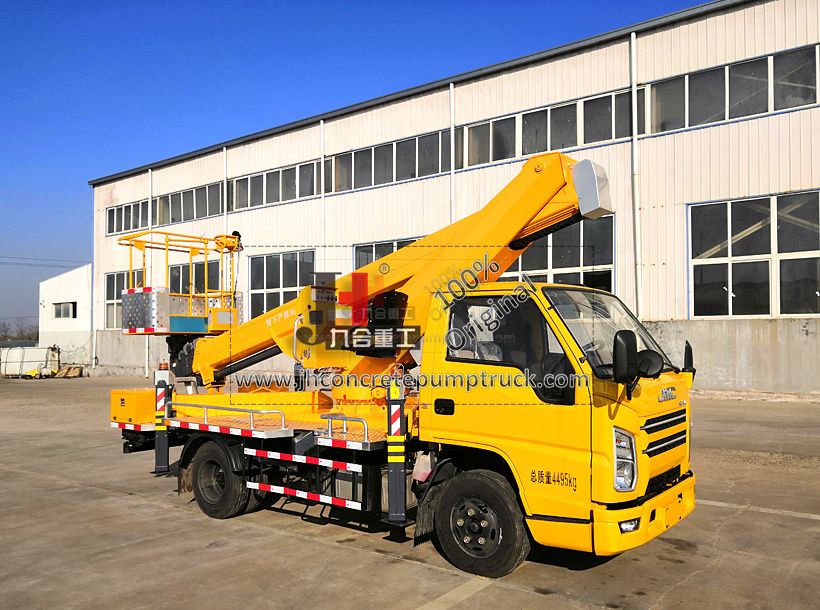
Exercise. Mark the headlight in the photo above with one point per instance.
(625, 467)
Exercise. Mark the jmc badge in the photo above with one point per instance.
(667, 394)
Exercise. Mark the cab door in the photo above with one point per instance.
(500, 380)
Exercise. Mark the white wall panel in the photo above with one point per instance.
(410, 117)
(188, 174)
(569, 77)
(277, 151)
(733, 35)
(773, 154)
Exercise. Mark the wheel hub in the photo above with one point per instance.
(476, 527)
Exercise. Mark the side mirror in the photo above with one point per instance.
(625, 358)
(688, 360)
(650, 363)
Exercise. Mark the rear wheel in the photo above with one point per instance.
(479, 525)
(219, 492)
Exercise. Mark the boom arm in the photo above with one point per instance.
(550, 192)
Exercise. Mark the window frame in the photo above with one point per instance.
(280, 290)
(773, 259)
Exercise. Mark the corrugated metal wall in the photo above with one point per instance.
(761, 155)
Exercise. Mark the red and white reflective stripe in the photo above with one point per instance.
(306, 495)
(304, 459)
(220, 429)
(395, 419)
(142, 330)
(327, 442)
(135, 427)
(137, 290)
(160, 399)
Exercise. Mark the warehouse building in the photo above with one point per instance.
(706, 120)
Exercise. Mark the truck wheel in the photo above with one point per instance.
(219, 492)
(479, 525)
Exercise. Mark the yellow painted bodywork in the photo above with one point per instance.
(533, 437)
(136, 406)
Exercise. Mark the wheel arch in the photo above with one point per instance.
(454, 459)
(194, 443)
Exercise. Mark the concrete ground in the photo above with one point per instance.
(82, 525)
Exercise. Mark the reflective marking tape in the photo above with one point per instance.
(135, 427)
(305, 495)
(395, 438)
(304, 459)
(143, 330)
(327, 442)
(137, 290)
(395, 458)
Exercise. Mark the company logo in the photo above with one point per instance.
(356, 298)
(667, 394)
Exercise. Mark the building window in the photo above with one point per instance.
(179, 278)
(241, 193)
(707, 96)
(343, 172)
(272, 183)
(406, 159)
(277, 278)
(289, 184)
(65, 310)
(667, 105)
(115, 284)
(563, 126)
(748, 88)
(623, 114)
(598, 119)
(503, 137)
(307, 180)
(478, 144)
(458, 154)
(363, 168)
(383, 164)
(127, 217)
(364, 254)
(581, 254)
(741, 266)
(534, 132)
(429, 154)
(795, 78)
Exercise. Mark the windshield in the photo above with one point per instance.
(593, 318)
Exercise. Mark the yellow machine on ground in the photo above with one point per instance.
(492, 413)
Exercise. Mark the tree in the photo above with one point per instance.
(5, 330)
(25, 331)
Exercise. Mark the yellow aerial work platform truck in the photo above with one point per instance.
(490, 414)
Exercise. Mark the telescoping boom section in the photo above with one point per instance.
(550, 192)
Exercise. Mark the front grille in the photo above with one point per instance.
(662, 422)
(661, 481)
(662, 445)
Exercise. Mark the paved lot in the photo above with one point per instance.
(82, 525)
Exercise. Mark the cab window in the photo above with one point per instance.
(499, 331)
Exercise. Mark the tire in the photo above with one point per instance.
(479, 525)
(219, 492)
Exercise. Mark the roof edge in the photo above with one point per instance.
(640, 27)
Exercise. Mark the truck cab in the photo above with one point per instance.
(526, 372)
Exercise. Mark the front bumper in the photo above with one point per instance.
(656, 514)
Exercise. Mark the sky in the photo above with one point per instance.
(88, 89)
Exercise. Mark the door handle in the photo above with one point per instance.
(444, 406)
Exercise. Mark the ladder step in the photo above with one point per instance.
(305, 495)
(304, 459)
